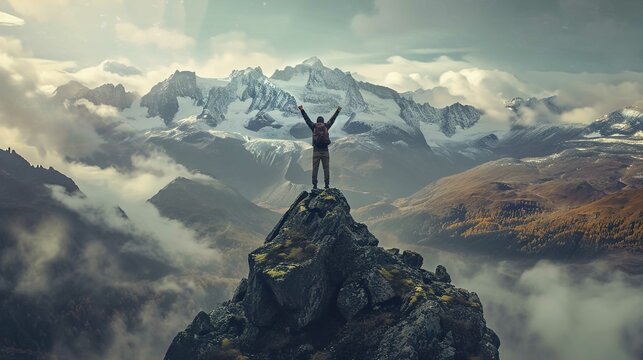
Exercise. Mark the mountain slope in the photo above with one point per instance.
(573, 203)
(162, 100)
(63, 278)
(106, 94)
(231, 102)
(233, 224)
(627, 122)
(320, 288)
(210, 203)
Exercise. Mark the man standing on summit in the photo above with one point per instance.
(321, 140)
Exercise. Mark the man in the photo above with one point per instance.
(321, 140)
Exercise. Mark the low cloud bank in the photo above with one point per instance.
(553, 311)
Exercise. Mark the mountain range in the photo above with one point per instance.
(414, 173)
(245, 131)
(575, 203)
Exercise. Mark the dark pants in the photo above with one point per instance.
(324, 157)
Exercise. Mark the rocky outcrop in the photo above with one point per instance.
(28, 179)
(106, 94)
(252, 85)
(449, 118)
(320, 80)
(625, 122)
(321, 288)
(550, 103)
(260, 121)
(162, 100)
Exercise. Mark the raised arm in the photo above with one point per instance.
(332, 118)
(306, 118)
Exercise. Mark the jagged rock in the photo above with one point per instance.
(240, 291)
(256, 87)
(321, 287)
(394, 251)
(379, 289)
(550, 103)
(216, 105)
(355, 126)
(627, 121)
(449, 118)
(106, 94)
(441, 274)
(351, 300)
(162, 100)
(260, 121)
(413, 259)
(487, 141)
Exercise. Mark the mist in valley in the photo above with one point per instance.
(544, 309)
(174, 191)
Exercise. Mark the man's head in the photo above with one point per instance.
(320, 119)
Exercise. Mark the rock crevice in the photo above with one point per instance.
(320, 287)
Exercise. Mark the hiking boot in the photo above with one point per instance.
(314, 186)
(326, 186)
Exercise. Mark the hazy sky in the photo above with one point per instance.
(474, 51)
(560, 35)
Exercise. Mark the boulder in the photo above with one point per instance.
(351, 300)
(442, 275)
(320, 287)
(412, 259)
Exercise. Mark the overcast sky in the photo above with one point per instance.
(561, 35)
(517, 48)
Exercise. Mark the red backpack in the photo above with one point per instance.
(320, 135)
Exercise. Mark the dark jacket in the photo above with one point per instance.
(311, 125)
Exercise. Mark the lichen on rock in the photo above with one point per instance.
(320, 287)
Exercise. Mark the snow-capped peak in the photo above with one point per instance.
(313, 61)
(249, 71)
(632, 112)
(627, 121)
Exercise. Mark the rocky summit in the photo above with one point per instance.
(321, 288)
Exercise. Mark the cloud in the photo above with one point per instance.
(120, 68)
(43, 74)
(10, 20)
(554, 311)
(34, 254)
(97, 269)
(103, 73)
(39, 10)
(443, 81)
(601, 92)
(564, 35)
(229, 51)
(43, 124)
(157, 36)
(109, 188)
(404, 74)
(45, 132)
(104, 111)
(485, 89)
(235, 50)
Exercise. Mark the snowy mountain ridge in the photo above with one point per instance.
(627, 121)
(250, 103)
